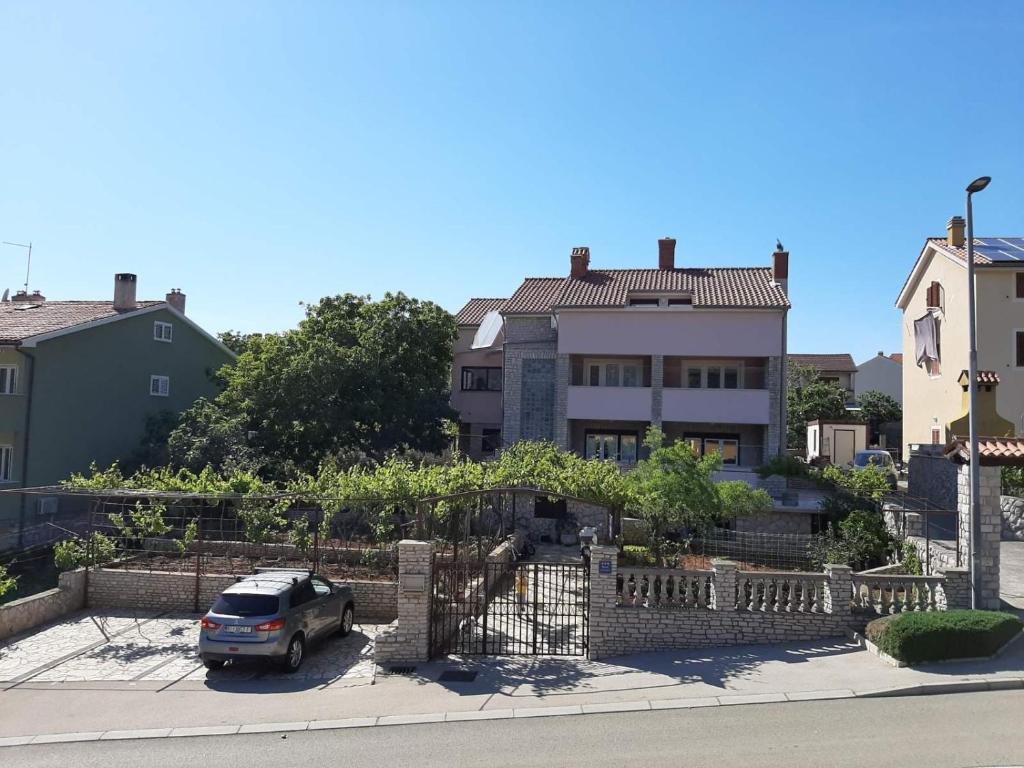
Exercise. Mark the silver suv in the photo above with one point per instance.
(274, 615)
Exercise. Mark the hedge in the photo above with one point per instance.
(935, 636)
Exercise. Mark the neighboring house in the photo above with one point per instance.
(935, 339)
(77, 381)
(477, 377)
(838, 369)
(592, 359)
(881, 374)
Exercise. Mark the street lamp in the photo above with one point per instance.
(972, 388)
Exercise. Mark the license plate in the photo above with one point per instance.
(238, 629)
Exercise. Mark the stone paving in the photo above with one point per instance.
(144, 646)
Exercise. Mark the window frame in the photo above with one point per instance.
(12, 379)
(490, 372)
(1015, 348)
(6, 463)
(164, 387)
(618, 434)
(159, 326)
(1018, 284)
(619, 365)
(721, 369)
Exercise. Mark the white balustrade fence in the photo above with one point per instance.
(781, 592)
(896, 593)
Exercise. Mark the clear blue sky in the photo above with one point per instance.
(258, 155)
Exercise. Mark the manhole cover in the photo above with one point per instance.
(457, 676)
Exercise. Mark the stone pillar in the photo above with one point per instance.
(657, 388)
(408, 638)
(775, 432)
(723, 592)
(839, 589)
(987, 578)
(604, 568)
(956, 590)
(562, 373)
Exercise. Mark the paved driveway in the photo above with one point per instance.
(139, 646)
(1011, 573)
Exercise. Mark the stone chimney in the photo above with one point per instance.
(579, 262)
(955, 232)
(780, 267)
(990, 423)
(29, 298)
(667, 253)
(124, 291)
(176, 299)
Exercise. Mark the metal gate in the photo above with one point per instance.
(509, 609)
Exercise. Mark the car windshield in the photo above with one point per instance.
(239, 604)
(863, 459)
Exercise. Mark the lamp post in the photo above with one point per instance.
(972, 390)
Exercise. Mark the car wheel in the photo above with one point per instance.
(213, 663)
(296, 653)
(348, 617)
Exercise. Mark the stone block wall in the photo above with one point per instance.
(25, 613)
(775, 522)
(775, 435)
(987, 579)
(956, 590)
(537, 400)
(1013, 518)
(407, 640)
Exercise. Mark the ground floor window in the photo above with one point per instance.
(490, 442)
(6, 457)
(727, 447)
(617, 446)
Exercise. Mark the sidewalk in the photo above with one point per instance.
(503, 687)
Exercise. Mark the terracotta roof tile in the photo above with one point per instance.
(984, 377)
(710, 287)
(22, 320)
(999, 451)
(476, 309)
(826, 362)
(897, 356)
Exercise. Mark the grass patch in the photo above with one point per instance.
(917, 637)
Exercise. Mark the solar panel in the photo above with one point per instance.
(1000, 248)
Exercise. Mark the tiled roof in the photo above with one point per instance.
(984, 377)
(475, 310)
(21, 320)
(1000, 451)
(710, 287)
(980, 258)
(829, 362)
(897, 356)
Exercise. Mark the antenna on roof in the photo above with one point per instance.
(7, 293)
(28, 266)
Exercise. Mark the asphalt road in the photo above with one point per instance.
(982, 729)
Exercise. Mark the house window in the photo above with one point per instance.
(8, 379)
(163, 331)
(685, 301)
(6, 460)
(601, 373)
(643, 302)
(693, 378)
(630, 376)
(731, 377)
(490, 442)
(714, 380)
(595, 375)
(729, 450)
(160, 386)
(481, 379)
(616, 446)
(936, 435)
(611, 375)
(1019, 276)
(1018, 349)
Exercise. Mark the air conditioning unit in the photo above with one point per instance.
(48, 505)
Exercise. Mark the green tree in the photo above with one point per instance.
(7, 583)
(209, 435)
(877, 409)
(809, 398)
(239, 342)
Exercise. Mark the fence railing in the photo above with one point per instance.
(663, 587)
(781, 592)
(896, 593)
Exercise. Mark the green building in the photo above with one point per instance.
(77, 381)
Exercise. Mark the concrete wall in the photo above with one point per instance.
(21, 615)
(729, 406)
(880, 374)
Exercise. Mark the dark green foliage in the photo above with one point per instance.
(786, 466)
(809, 398)
(637, 556)
(1013, 481)
(917, 637)
(208, 435)
(877, 409)
(152, 448)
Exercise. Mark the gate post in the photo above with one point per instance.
(604, 567)
(408, 638)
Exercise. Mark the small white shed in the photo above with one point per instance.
(835, 441)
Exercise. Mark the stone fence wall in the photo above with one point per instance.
(1013, 518)
(27, 612)
(376, 601)
(634, 610)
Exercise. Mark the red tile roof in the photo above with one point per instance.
(997, 451)
(897, 356)
(984, 377)
(476, 309)
(961, 252)
(710, 287)
(22, 320)
(827, 362)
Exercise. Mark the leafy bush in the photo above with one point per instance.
(1013, 481)
(7, 583)
(917, 637)
(786, 466)
(74, 553)
(637, 556)
(910, 560)
(866, 537)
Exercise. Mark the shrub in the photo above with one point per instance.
(917, 637)
(786, 466)
(637, 556)
(73, 553)
(7, 583)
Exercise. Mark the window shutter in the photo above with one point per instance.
(1020, 349)
(1020, 285)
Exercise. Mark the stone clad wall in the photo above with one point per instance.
(27, 612)
(376, 602)
(990, 482)
(408, 638)
(1013, 518)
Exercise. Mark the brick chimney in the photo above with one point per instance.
(955, 232)
(780, 267)
(176, 299)
(124, 291)
(667, 253)
(579, 262)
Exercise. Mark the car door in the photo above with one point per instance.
(328, 604)
(306, 608)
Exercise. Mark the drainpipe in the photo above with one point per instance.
(24, 446)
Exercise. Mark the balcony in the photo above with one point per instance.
(722, 406)
(609, 403)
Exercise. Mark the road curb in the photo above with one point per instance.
(736, 700)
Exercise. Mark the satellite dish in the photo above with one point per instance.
(7, 293)
(488, 331)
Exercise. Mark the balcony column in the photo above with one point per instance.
(657, 388)
(561, 426)
(775, 432)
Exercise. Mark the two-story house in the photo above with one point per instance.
(592, 359)
(78, 380)
(833, 368)
(477, 377)
(935, 330)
